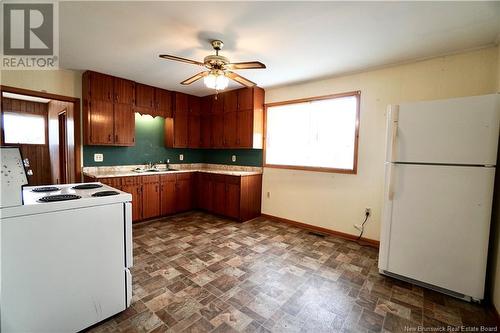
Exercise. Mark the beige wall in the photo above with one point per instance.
(337, 201)
(61, 82)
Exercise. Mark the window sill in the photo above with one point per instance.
(310, 168)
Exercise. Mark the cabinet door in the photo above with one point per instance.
(244, 137)
(217, 104)
(194, 131)
(245, 99)
(205, 131)
(205, 192)
(183, 192)
(124, 124)
(167, 196)
(194, 105)
(112, 181)
(231, 101)
(144, 96)
(230, 124)
(163, 102)
(101, 122)
(181, 120)
(150, 199)
(219, 195)
(101, 87)
(217, 131)
(124, 91)
(135, 191)
(232, 208)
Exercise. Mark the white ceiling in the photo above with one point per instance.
(298, 41)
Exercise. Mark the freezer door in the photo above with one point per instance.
(436, 226)
(453, 131)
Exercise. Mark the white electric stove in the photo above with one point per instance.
(65, 264)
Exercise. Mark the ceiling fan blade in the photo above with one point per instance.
(189, 61)
(245, 65)
(240, 79)
(194, 78)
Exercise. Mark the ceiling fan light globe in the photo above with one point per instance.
(216, 81)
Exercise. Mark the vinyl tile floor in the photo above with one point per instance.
(196, 272)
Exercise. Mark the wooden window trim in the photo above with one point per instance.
(352, 171)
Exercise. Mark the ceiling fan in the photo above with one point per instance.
(218, 70)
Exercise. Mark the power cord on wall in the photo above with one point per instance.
(367, 214)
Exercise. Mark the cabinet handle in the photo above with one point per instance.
(133, 139)
(109, 137)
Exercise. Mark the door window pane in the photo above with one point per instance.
(24, 128)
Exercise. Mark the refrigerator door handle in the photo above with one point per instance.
(393, 119)
(390, 192)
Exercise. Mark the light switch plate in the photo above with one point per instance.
(181, 157)
(233, 158)
(98, 157)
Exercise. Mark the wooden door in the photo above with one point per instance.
(194, 131)
(135, 191)
(205, 130)
(167, 194)
(244, 129)
(232, 208)
(181, 119)
(101, 87)
(124, 124)
(217, 130)
(245, 98)
(144, 96)
(163, 102)
(230, 123)
(231, 101)
(124, 91)
(205, 192)
(183, 192)
(219, 194)
(101, 122)
(150, 197)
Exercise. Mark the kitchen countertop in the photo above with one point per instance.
(127, 170)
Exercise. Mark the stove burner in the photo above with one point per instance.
(86, 186)
(45, 189)
(105, 193)
(59, 197)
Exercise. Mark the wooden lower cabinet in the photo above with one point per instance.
(183, 191)
(150, 196)
(167, 194)
(236, 197)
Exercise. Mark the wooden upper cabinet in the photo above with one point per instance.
(231, 101)
(144, 96)
(100, 86)
(100, 118)
(217, 121)
(230, 130)
(194, 105)
(246, 98)
(124, 91)
(217, 103)
(124, 125)
(180, 121)
(244, 136)
(163, 102)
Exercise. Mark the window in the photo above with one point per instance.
(25, 128)
(314, 134)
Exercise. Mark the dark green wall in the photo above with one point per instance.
(149, 146)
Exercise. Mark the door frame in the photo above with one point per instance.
(76, 122)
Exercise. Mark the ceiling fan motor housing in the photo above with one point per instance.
(215, 61)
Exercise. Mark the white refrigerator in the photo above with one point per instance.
(439, 175)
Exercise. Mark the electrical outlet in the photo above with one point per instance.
(98, 157)
(268, 194)
(181, 157)
(233, 158)
(368, 211)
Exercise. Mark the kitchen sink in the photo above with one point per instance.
(153, 170)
